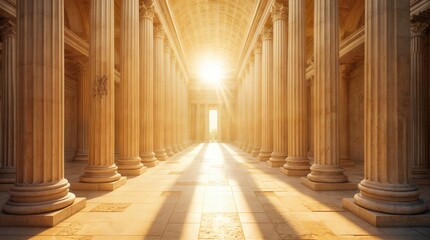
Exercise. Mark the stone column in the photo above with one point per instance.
(385, 187)
(178, 109)
(129, 162)
(297, 162)
(173, 103)
(168, 100)
(40, 184)
(257, 100)
(250, 105)
(244, 122)
(159, 103)
(101, 169)
(343, 116)
(183, 112)
(326, 173)
(279, 18)
(266, 94)
(83, 112)
(9, 74)
(419, 104)
(146, 87)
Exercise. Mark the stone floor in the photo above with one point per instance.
(213, 191)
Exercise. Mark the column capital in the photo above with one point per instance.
(158, 31)
(267, 33)
(173, 58)
(418, 28)
(279, 10)
(167, 45)
(7, 28)
(257, 49)
(146, 9)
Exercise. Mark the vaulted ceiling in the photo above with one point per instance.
(221, 29)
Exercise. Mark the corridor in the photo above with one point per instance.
(214, 191)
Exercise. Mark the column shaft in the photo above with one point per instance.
(326, 168)
(279, 17)
(168, 100)
(257, 100)
(9, 131)
(250, 105)
(419, 102)
(129, 162)
(40, 184)
(385, 187)
(146, 86)
(174, 94)
(101, 166)
(266, 95)
(159, 103)
(343, 116)
(83, 113)
(297, 163)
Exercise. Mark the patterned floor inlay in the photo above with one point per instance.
(220, 226)
(111, 207)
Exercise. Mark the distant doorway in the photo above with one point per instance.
(213, 125)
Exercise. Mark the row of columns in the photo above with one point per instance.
(152, 91)
(284, 108)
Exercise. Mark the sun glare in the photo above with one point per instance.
(211, 72)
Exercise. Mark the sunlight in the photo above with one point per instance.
(211, 72)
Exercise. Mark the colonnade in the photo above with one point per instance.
(390, 87)
(152, 107)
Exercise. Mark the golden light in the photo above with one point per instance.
(211, 72)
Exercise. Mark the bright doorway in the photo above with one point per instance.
(213, 125)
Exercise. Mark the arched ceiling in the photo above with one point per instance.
(212, 29)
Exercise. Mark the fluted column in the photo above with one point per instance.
(245, 104)
(297, 163)
(250, 106)
(40, 184)
(344, 70)
(83, 112)
(159, 84)
(419, 103)
(9, 75)
(257, 100)
(129, 162)
(146, 86)
(183, 111)
(279, 18)
(174, 93)
(101, 166)
(326, 169)
(385, 187)
(266, 94)
(168, 100)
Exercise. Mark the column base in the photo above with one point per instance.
(275, 164)
(277, 160)
(378, 219)
(151, 164)
(255, 152)
(294, 173)
(264, 156)
(7, 175)
(110, 186)
(316, 186)
(81, 155)
(43, 219)
(347, 163)
(132, 172)
(161, 155)
(249, 149)
(169, 151)
(175, 149)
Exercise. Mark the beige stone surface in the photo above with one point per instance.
(266, 204)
